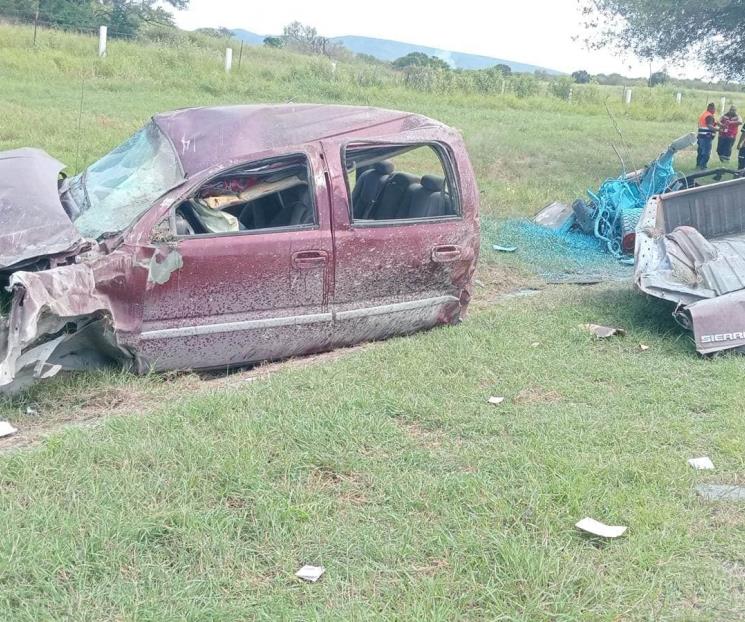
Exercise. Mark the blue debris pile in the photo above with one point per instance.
(556, 256)
(614, 210)
(584, 242)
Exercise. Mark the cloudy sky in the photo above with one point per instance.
(538, 32)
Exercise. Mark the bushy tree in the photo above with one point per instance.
(658, 77)
(581, 77)
(673, 30)
(274, 42)
(122, 17)
(419, 59)
(217, 33)
(505, 70)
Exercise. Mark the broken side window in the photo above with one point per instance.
(399, 182)
(271, 194)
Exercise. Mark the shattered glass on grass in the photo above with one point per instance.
(556, 257)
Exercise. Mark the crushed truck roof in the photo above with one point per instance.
(204, 137)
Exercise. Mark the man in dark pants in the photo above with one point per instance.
(741, 150)
(707, 125)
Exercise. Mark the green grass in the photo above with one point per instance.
(386, 465)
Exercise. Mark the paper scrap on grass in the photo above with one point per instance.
(535, 344)
(504, 249)
(701, 464)
(6, 429)
(643, 347)
(496, 400)
(596, 528)
(310, 573)
(603, 332)
(719, 492)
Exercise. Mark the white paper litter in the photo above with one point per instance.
(496, 400)
(590, 525)
(701, 464)
(643, 347)
(6, 429)
(310, 573)
(535, 344)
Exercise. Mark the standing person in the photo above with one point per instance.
(741, 150)
(729, 124)
(707, 125)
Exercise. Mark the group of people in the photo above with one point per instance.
(727, 128)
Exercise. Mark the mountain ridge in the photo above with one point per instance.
(390, 50)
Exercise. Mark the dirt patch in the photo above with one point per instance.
(537, 395)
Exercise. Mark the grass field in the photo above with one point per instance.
(187, 498)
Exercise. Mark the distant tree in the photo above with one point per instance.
(658, 77)
(505, 70)
(581, 77)
(672, 29)
(304, 38)
(274, 42)
(369, 58)
(123, 17)
(217, 33)
(419, 59)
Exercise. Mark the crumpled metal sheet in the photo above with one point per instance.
(44, 304)
(33, 222)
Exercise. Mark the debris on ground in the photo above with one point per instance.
(643, 347)
(720, 492)
(613, 211)
(603, 332)
(596, 528)
(535, 344)
(310, 573)
(31, 411)
(6, 429)
(701, 464)
(496, 400)
(504, 249)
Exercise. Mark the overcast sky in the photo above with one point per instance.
(539, 32)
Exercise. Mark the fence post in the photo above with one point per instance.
(102, 41)
(504, 82)
(679, 97)
(628, 96)
(724, 102)
(569, 98)
(228, 59)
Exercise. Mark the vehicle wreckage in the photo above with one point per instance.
(690, 249)
(219, 237)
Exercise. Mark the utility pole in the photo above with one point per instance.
(36, 19)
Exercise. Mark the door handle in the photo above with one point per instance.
(309, 259)
(447, 253)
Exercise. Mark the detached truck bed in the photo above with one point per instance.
(690, 249)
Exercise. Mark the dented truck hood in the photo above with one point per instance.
(33, 223)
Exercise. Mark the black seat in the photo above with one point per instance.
(427, 200)
(368, 188)
(394, 198)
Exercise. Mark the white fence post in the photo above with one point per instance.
(724, 102)
(628, 96)
(102, 41)
(504, 83)
(228, 59)
(569, 98)
(679, 98)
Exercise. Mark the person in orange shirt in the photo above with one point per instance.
(707, 128)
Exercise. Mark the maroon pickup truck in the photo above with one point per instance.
(217, 237)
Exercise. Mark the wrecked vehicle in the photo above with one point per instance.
(218, 237)
(690, 249)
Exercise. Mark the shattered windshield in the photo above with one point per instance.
(112, 192)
